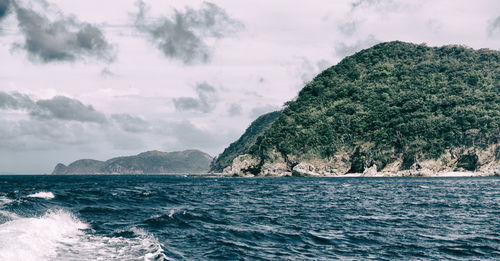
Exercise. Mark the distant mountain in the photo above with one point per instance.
(394, 109)
(248, 139)
(151, 162)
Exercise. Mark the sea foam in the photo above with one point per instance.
(5, 200)
(93, 247)
(42, 194)
(37, 238)
(59, 235)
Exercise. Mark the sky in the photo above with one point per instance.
(99, 79)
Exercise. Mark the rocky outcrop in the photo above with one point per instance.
(151, 162)
(243, 166)
(456, 162)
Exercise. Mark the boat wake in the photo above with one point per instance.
(59, 235)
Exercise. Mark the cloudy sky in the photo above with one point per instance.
(99, 79)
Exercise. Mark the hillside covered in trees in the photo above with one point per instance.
(394, 106)
(248, 139)
(150, 162)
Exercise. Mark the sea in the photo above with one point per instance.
(192, 217)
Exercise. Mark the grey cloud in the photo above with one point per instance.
(494, 27)
(59, 107)
(308, 70)
(323, 65)
(65, 39)
(106, 72)
(384, 6)
(131, 123)
(360, 3)
(205, 102)
(348, 28)
(342, 50)
(64, 108)
(235, 110)
(184, 35)
(15, 101)
(36, 134)
(4, 8)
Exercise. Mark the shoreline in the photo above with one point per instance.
(401, 174)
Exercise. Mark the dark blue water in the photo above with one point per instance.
(193, 218)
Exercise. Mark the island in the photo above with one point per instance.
(395, 109)
(150, 162)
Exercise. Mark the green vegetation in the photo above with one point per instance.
(151, 162)
(393, 101)
(248, 139)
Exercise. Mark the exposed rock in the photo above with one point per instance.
(487, 164)
(275, 169)
(305, 170)
(243, 165)
(371, 171)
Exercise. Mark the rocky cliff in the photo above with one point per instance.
(456, 162)
(151, 162)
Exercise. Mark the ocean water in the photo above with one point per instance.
(156, 217)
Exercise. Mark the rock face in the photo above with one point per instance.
(396, 109)
(151, 162)
(485, 162)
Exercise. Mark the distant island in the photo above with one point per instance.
(151, 162)
(396, 109)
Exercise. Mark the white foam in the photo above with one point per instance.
(92, 247)
(59, 235)
(8, 214)
(37, 238)
(5, 200)
(42, 194)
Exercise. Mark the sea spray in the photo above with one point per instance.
(37, 238)
(42, 194)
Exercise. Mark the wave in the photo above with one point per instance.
(5, 200)
(94, 247)
(42, 194)
(37, 238)
(58, 234)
